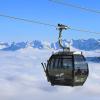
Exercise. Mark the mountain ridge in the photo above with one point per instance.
(81, 44)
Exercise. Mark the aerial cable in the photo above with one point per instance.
(26, 20)
(81, 30)
(75, 6)
(46, 24)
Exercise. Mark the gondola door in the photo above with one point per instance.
(81, 70)
(66, 69)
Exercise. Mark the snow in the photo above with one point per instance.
(22, 78)
(89, 45)
(2, 46)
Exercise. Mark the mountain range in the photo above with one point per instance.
(81, 44)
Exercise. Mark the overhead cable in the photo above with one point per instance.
(61, 2)
(46, 24)
(26, 20)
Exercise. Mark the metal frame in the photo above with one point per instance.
(61, 28)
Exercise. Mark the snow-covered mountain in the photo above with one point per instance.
(3, 45)
(87, 45)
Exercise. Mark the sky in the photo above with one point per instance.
(47, 12)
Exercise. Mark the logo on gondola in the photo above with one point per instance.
(60, 75)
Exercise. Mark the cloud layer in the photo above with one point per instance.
(22, 78)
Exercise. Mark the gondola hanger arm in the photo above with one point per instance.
(62, 27)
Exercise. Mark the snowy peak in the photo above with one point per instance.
(37, 44)
(3, 45)
(15, 46)
(87, 45)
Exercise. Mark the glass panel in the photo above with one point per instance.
(81, 68)
(70, 57)
(80, 62)
(67, 63)
(60, 63)
(56, 63)
(51, 64)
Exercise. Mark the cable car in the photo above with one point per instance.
(65, 67)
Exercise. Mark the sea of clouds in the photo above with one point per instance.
(22, 78)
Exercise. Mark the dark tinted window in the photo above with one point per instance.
(56, 63)
(80, 62)
(51, 64)
(60, 63)
(67, 63)
(67, 56)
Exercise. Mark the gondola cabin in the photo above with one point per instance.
(67, 68)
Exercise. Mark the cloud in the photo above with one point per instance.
(22, 78)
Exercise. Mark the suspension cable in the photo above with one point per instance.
(46, 24)
(75, 6)
(26, 20)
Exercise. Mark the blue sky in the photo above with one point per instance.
(48, 12)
